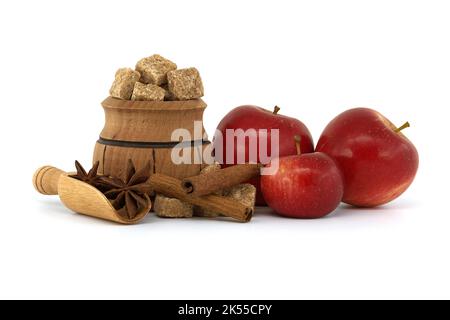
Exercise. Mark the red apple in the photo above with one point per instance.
(252, 117)
(377, 161)
(306, 186)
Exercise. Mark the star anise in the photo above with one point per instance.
(130, 197)
(92, 177)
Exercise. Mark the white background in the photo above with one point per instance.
(315, 59)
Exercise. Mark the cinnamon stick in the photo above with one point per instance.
(171, 187)
(218, 180)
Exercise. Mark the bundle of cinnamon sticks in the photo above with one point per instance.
(201, 190)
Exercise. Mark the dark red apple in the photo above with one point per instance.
(377, 161)
(252, 117)
(306, 186)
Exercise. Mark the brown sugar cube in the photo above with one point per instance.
(243, 193)
(185, 84)
(148, 92)
(169, 96)
(154, 69)
(124, 82)
(172, 208)
(211, 168)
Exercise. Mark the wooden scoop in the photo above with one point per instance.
(78, 196)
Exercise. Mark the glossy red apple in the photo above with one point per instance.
(306, 186)
(252, 117)
(377, 161)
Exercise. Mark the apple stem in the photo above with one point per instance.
(276, 109)
(298, 139)
(404, 126)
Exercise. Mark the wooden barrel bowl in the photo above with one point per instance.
(142, 130)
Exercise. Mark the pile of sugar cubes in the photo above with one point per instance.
(157, 79)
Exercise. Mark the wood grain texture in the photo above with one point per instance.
(80, 197)
(149, 122)
(115, 159)
(99, 155)
(84, 199)
(164, 164)
(45, 180)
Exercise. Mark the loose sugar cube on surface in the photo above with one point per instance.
(243, 193)
(185, 84)
(211, 168)
(148, 92)
(154, 69)
(124, 82)
(172, 208)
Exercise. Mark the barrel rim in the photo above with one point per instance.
(114, 103)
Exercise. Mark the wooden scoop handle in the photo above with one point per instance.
(45, 180)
